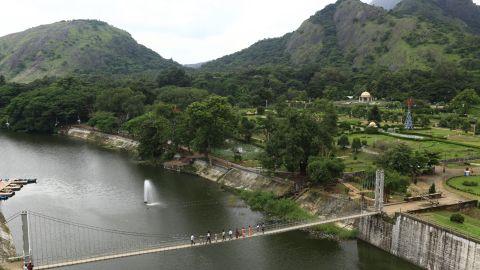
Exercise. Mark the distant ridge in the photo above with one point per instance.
(78, 46)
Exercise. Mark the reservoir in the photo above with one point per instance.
(84, 183)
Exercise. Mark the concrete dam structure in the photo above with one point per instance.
(421, 243)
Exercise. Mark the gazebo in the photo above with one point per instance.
(365, 97)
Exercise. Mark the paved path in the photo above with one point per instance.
(439, 178)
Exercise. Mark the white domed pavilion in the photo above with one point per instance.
(365, 97)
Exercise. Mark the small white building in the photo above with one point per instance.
(365, 97)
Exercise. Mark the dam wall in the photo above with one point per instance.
(424, 244)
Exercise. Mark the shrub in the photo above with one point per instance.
(457, 218)
(470, 183)
(371, 130)
(432, 189)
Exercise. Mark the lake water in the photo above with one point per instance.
(81, 182)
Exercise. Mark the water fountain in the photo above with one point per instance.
(149, 195)
(147, 191)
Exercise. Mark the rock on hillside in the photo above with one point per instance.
(79, 46)
(386, 4)
(353, 34)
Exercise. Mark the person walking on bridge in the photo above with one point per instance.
(223, 235)
(263, 228)
(209, 238)
(250, 232)
(192, 240)
(243, 232)
(230, 234)
(237, 233)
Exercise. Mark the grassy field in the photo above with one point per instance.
(250, 152)
(452, 135)
(470, 227)
(363, 161)
(446, 150)
(458, 183)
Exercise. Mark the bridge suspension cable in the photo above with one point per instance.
(53, 242)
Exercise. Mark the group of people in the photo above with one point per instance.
(242, 233)
(28, 266)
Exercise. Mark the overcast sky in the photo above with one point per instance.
(189, 31)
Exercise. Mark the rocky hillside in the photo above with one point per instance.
(79, 46)
(349, 33)
(386, 4)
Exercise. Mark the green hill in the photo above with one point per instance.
(416, 34)
(79, 46)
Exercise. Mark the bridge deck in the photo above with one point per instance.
(188, 245)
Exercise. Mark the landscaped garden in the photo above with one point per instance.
(470, 225)
(469, 184)
(380, 142)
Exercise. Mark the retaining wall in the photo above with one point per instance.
(421, 243)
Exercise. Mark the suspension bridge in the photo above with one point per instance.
(50, 242)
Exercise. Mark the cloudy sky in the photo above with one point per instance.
(189, 31)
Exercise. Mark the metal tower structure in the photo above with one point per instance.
(409, 118)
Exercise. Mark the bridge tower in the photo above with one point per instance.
(379, 187)
(26, 237)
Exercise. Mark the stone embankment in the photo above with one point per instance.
(241, 179)
(420, 242)
(7, 248)
(104, 139)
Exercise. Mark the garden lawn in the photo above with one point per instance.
(451, 135)
(250, 153)
(457, 183)
(446, 150)
(471, 226)
(363, 162)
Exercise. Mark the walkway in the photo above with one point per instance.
(184, 244)
(439, 178)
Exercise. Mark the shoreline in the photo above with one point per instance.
(229, 178)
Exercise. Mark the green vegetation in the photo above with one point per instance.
(470, 225)
(325, 170)
(458, 218)
(403, 160)
(333, 229)
(285, 209)
(78, 46)
(469, 184)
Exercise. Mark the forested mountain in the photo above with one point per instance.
(79, 46)
(415, 34)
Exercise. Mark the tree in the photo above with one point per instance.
(424, 120)
(402, 159)
(123, 102)
(343, 141)
(432, 189)
(395, 182)
(325, 170)
(104, 121)
(181, 96)
(466, 126)
(398, 158)
(2, 80)
(211, 122)
(356, 145)
(246, 128)
(375, 115)
(463, 101)
(295, 139)
(154, 136)
(174, 76)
